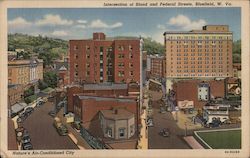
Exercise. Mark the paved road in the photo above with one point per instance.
(175, 140)
(42, 132)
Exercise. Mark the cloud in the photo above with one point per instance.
(185, 23)
(52, 20)
(82, 21)
(19, 22)
(100, 24)
(59, 33)
(81, 26)
(162, 27)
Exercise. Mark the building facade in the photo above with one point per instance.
(117, 123)
(198, 92)
(101, 60)
(25, 71)
(15, 93)
(157, 66)
(205, 53)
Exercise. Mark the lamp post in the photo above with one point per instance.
(185, 129)
(141, 84)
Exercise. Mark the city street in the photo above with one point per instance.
(42, 132)
(161, 121)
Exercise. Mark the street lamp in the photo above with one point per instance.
(185, 129)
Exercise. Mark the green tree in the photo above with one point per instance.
(50, 78)
(153, 47)
(237, 51)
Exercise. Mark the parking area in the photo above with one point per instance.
(42, 132)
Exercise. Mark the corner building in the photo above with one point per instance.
(205, 53)
(102, 59)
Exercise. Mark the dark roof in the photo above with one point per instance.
(105, 86)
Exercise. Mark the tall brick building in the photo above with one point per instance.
(157, 66)
(199, 53)
(104, 59)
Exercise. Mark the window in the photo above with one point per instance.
(121, 56)
(121, 73)
(109, 132)
(131, 65)
(130, 48)
(130, 55)
(121, 65)
(131, 73)
(87, 47)
(121, 132)
(120, 48)
(101, 49)
(131, 130)
(75, 47)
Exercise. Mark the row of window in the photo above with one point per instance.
(197, 75)
(200, 70)
(198, 37)
(108, 49)
(200, 62)
(199, 50)
(200, 54)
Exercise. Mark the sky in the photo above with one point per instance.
(80, 23)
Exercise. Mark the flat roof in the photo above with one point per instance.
(97, 98)
(117, 114)
(105, 86)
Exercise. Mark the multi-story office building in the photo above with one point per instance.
(104, 59)
(205, 53)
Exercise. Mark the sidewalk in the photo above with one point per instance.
(143, 139)
(193, 143)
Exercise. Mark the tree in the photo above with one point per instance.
(42, 85)
(50, 78)
(237, 51)
(153, 47)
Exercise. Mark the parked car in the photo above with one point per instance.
(27, 146)
(40, 103)
(19, 120)
(76, 125)
(165, 132)
(19, 133)
(62, 130)
(150, 122)
(29, 110)
(23, 116)
(25, 138)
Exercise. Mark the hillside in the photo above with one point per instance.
(46, 48)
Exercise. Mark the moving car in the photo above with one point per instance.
(165, 132)
(27, 146)
(52, 113)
